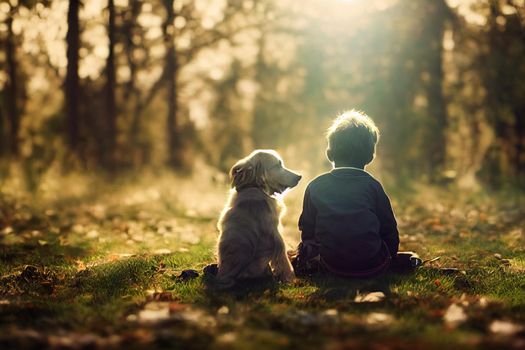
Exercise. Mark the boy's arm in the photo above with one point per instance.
(307, 219)
(388, 229)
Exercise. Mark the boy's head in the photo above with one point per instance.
(352, 140)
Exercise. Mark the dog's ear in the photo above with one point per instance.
(241, 174)
(245, 174)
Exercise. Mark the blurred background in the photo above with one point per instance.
(119, 86)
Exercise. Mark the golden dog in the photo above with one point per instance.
(250, 244)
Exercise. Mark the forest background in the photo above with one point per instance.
(122, 85)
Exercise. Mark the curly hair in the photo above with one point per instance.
(352, 139)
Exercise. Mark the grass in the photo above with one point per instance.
(100, 270)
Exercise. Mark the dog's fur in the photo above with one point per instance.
(250, 244)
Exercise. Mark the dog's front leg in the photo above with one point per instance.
(280, 262)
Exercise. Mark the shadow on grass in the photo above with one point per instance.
(33, 252)
(244, 290)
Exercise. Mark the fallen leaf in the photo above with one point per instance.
(331, 312)
(116, 257)
(504, 327)
(77, 228)
(92, 234)
(506, 262)
(154, 312)
(160, 296)
(196, 317)
(226, 338)
(372, 297)
(223, 310)
(80, 265)
(483, 302)
(455, 315)
(162, 251)
(379, 319)
(176, 307)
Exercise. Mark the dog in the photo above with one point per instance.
(250, 244)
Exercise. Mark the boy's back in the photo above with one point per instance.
(347, 214)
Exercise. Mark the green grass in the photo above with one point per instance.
(96, 263)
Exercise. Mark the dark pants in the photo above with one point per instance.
(307, 261)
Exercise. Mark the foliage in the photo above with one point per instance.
(166, 82)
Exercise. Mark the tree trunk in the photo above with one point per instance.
(13, 111)
(111, 112)
(519, 129)
(174, 145)
(435, 153)
(135, 145)
(2, 129)
(258, 131)
(72, 80)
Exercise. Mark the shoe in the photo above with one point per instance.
(211, 270)
(415, 262)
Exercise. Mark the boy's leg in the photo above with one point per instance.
(305, 261)
(405, 262)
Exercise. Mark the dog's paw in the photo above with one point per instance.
(287, 277)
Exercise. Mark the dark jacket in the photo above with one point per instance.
(348, 216)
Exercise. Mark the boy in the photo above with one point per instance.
(347, 225)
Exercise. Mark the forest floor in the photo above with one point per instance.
(93, 265)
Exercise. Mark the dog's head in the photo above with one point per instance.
(263, 169)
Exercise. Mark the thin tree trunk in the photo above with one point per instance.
(519, 129)
(128, 29)
(2, 129)
(12, 95)
(259, 116)
(174, 159)
(437, 109)
(72, 80)
(110, 90)
(131, 87)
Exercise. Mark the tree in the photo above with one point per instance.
(2, 133)
(132, 91)
(111, 111)
(231, 124)
(175, 59)
(12, 89)
(502, 70)
(72, 84)
(435, 15)
(273, 124)
(170, 71)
